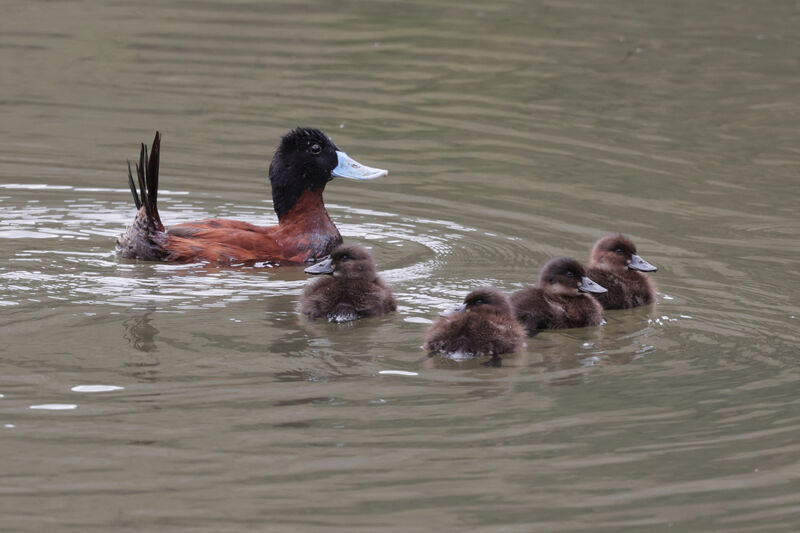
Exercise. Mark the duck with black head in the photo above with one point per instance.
(615, 264)
(482, 325)
(353, 290)
(560, 299)
(304, 162)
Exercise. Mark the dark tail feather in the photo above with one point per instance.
(132, 185)
(152, 173)
(141, 173)
(147, 174)
(145, 238)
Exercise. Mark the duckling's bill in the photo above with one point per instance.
(352, 169)
(323, 267)
(637, 263)
(587, 285)
(458, 309)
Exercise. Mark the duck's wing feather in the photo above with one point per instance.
(224, 241)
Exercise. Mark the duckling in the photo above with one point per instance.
(355, 290)
(560, 299)
(615, 265)
(482, 325)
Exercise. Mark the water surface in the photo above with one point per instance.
(155, 397)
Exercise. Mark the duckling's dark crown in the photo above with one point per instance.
(486, 295)
(488, 299)
(352, 251)
(559, 266)
(613, 241)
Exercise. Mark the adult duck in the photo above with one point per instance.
(615, 264)
(304, 162)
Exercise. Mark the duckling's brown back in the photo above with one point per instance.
(531, 309)
(537, 311)
(475, 333)
(625, 290)
(331, 296)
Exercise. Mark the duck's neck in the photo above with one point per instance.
(309, 205)
(288, 186)
(308, 220)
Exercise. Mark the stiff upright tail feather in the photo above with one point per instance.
(147, 174)
(145, 237)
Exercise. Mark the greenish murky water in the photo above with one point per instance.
(514, 132)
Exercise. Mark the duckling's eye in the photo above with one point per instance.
(619, 251)
(570, 274)
(344, 257)
(315, 149)
(479, 301)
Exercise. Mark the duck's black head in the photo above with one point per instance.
(564, 275)
(304, 160)
(617, 252)
(487, 298)
(307, 159)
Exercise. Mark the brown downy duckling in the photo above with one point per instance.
(482, 325)
(614, 264)
(560, 299)
(354, 290)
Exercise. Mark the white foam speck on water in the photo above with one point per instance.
(418, 320)
(397, 373)
(9, 426)
(459, 356)
(95, 388)
(55, 406)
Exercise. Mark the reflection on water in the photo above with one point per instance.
(140, 333)
(516, 132)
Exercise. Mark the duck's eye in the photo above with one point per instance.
(479, 301)
(619, 251)
(315, 149)
(570, 274)
(344, 257)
